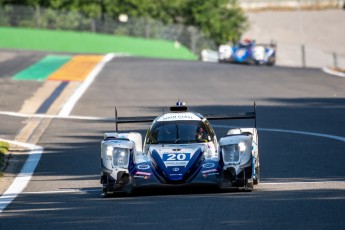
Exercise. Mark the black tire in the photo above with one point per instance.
(249, 186)
(271, 62)
(104, 195)
(257, 178)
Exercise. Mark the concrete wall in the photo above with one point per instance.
(255, 5)
(322, 33)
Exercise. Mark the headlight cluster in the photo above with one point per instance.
(120, 156)
(231, 153)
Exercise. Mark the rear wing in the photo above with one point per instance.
(234, 116)
(210, 117)
(272, 44)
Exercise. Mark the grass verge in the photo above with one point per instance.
(83, 42)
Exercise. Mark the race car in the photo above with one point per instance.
(180, 149)
(248, 52)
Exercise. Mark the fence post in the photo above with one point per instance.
(93, 26)
(38, 17)
(193, 37)
(147, 27)
(335, 60)
(303, 55)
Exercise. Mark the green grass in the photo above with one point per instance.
(83, 42)
(4, 147)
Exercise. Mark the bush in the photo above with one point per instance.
(4, 147)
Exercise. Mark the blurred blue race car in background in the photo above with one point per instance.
(248, 52)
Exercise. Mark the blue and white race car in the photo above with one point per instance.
(180, 149)
(248, 52)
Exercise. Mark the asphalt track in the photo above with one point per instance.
(303, 176)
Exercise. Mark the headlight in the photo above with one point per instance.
(120, 156)
(231, 153)
(242, 147)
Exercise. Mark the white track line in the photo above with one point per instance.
(332, 72)
(339, 138)
(67, 108)
(23, 178)
(26, 115)
(64, 191)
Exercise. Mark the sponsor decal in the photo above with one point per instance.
(141, 177)
(176, 159)
(175, 169)
(241, 52)
(210, 174)
(210, 170)
(143, 167)
(143, 173)
(208, 165)
(179, 117)
(175, 174)
(175, 163)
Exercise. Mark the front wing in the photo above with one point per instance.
(210, 173)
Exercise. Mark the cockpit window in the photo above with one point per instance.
(177, 132)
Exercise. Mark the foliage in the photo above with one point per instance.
(4, 147)
(220, 20)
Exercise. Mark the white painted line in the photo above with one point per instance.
(65, 191)
(67, 108)
(339, 138)
(23, 178)
(304, 182)
(332, 72)
(26, 115)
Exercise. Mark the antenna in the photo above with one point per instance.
(163, 129)
(255, 122)
(254, 114)
(116, 126)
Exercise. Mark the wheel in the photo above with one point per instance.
(249, 186)
(104, 195)
(271, 62)
(257, 177)
(104, 192)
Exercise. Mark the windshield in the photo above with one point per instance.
(243, 46)
(177, 132)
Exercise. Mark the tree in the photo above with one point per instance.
(220, 20)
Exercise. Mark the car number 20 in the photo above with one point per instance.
(176, 156)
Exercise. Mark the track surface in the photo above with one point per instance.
(303, 176)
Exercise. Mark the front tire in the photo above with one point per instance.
(256, 181)
(249, 185)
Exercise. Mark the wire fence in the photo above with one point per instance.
(41, 18)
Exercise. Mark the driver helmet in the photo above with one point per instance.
(247, 40)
